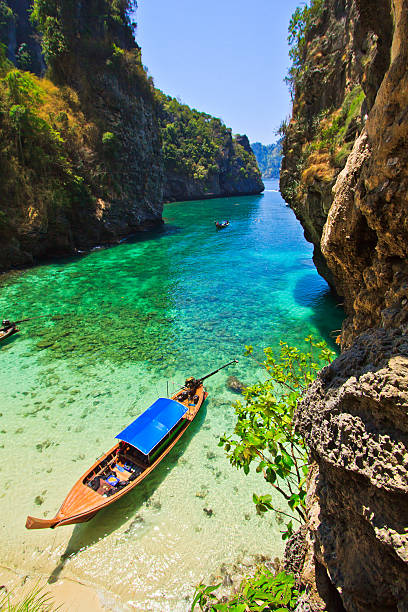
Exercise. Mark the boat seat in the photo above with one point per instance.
(112, 479)
(104, 488)
(137, 461)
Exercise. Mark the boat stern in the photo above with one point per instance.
(36, 523)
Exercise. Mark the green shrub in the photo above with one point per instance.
(262, 592)
(300, 23)
(264, 433)
(108, 138)
(23, 57)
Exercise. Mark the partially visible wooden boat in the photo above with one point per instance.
(6, 333)
(124, 466)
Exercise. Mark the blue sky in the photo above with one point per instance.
(226, 57)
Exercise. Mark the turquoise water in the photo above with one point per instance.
(122, 323)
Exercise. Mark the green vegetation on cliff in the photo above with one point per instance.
(269, 158)
(80, 152)
(201, 156)
(40, 142)
(330, 58)
(191, 140)
(302, 21)
(104, 37)
(265, 436)
(265, 433)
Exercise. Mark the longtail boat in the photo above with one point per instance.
(8, 328)
(142, 446)
(7, 331)
(221, 224)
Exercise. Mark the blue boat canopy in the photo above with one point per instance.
(153, 424)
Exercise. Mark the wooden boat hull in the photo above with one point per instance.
(8, 333)
(82, 502)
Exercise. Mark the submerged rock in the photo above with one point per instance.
(234, 384)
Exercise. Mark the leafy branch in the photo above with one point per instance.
(299, 25)
(262, 592)
(264, 433)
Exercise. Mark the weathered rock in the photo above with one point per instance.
(354, 417)
(347, 47)
(365, 240)
(226, 180)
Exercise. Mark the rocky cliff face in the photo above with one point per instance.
(21, 39)
(354, 417)
(329, 108)
(201, 157)
(231, 175)
(89, 152)
(80, 156)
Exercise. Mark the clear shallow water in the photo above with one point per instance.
(176, 302)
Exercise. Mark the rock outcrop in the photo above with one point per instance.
(354, 417)
(89, 150)
(269, 158)
(333, 87)
(202, 159)
(80, 157)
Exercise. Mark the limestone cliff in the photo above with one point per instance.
(80, 151)
(354, 417)
(335, 57)
(201, 157)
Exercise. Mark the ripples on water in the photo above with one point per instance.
(175, 302)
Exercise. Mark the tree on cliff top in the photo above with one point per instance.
(100, 31)
(301, 21)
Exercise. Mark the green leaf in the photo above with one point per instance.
(287, 460)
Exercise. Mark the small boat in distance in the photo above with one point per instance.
(7, 329)
(142, 446)
(221, 224)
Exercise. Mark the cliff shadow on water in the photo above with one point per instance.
(327, 308)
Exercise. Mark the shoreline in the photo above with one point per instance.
(149, 226)
(71, 595)
(73, 252)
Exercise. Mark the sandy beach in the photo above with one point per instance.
(68, 595)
